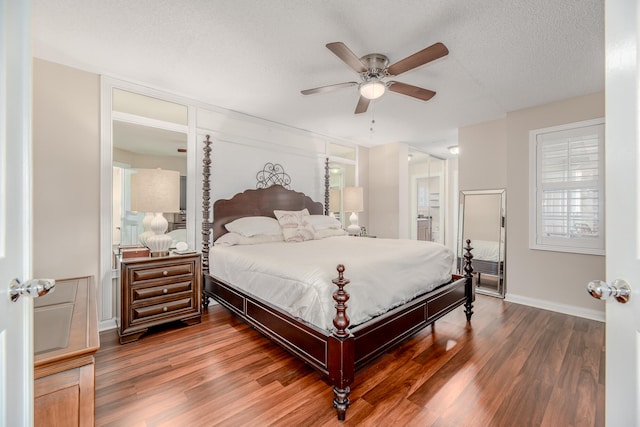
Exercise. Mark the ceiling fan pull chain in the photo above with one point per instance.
(373, 117)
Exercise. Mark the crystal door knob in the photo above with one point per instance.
(619, 289)
(34, 288)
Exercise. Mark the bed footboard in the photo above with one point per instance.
(338, 354)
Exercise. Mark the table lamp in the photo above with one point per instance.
(353, 202)
(155, 191)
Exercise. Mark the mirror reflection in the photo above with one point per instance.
(148, 134)
(482, 221)
(342, 174)
(426, 200)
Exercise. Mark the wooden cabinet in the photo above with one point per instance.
(424, 229)
(153, 291)
(65, 341)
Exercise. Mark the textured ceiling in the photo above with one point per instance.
(255, 56)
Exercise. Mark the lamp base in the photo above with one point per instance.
(159, 254)
(146, 224)
(159, 243)
(353, 229)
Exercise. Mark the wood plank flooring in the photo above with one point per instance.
(513, 365)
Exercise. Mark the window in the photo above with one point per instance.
(567, 188)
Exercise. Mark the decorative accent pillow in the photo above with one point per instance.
(296, 225)
(231, 239)
(253, 225)
(329, 232)
(323, 222)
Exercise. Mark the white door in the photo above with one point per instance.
(623, 211)
(16, 346)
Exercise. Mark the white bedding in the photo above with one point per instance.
(485, 250)
(296, 277)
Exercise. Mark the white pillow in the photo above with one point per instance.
(253, 225)
(323, 222)
(296, 225)
(329, 232)
(231, 239)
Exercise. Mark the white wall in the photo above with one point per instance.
(482, 160)
(66, 171)
(389, 191)
(452, 201)
(363, 181)
(243, 145)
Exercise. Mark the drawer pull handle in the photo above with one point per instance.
(164, 308)
(164, 273)
(165, 290)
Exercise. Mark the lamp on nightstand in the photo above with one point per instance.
(352, 198)
(155, 191)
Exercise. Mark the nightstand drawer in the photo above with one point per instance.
(153, 291)
(142, 274)
(141, 293)
(164, 308)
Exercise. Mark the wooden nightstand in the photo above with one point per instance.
(153, 291)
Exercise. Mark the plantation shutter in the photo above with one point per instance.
(569, 189)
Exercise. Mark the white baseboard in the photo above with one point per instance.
(105, 325)
(571, 310)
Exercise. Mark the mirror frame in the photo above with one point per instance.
(501, 289)
(106, 291)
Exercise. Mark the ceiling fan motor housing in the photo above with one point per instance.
(377, 66)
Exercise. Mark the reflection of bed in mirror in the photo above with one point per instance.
(488, 258)
(178, 235)
(482, 222)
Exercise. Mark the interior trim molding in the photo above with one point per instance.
(571, 310)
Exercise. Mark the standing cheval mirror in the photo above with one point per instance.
(482, 221)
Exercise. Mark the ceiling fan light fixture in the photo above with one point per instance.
(454, 149)
(373, 89)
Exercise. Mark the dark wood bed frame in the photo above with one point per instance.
(336, 354)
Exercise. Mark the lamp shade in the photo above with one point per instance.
(335, 200)
(353, 199)
(155, 190)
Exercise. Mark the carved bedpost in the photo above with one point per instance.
(468, 274)
(341, 353)
(341, 320)
(326, 186)
(206, 215)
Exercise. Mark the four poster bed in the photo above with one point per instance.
(310, 320)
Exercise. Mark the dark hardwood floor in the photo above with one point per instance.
(511, 366)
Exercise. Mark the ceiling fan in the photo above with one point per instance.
(374, 68)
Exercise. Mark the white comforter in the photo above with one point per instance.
(485, 250)
(296, 277)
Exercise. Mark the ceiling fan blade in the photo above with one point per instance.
(329, 88)
(348, 57)
(410, 90)
(428, 54)
(363, 104)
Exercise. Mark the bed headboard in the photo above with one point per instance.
(260, 202)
